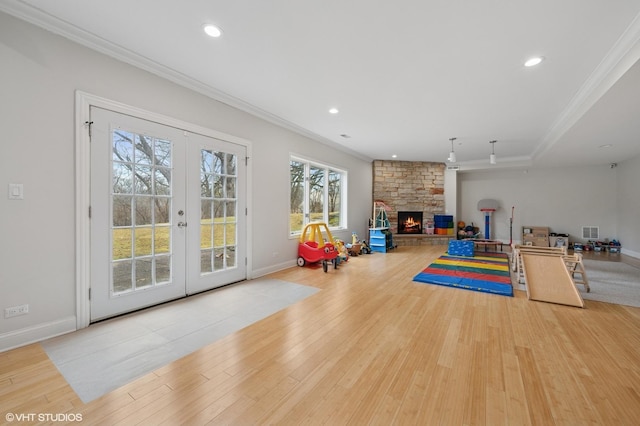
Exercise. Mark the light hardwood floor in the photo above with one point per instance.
(373, 347)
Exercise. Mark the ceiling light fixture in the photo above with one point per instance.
(212, 30)
(452, 154)
(532, 62)
(492, 157)
(333, 111)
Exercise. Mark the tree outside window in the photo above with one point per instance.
(316, 195)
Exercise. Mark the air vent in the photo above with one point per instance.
(590, 232)
(453, 167)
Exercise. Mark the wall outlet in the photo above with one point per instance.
(16, 191)
(14, 311)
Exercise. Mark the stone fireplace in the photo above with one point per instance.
(414, 187)
(409, 222)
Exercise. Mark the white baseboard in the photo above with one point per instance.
(630, 253)
(36, 333)
(273, 268)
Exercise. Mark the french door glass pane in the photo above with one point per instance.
(122, 178)
(122, 281)
(144, 213)
(205, 261)
(163, 269)
(143, 149)
(161, 239)
(161, 183)
(161, 207)
(122, 146)
(206, 235)
(218, 177)
(141, 209)
(218, 261)
(205, 209)
(142, 241)
(144, 274)
(230, 233)
(142, 179)
(162, 153)
(122, 243)
(122, 210)
(230, 187)
(231, 256)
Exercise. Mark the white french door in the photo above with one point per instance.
(165, 218)
(217, 216)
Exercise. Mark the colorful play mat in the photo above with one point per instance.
(488, 272)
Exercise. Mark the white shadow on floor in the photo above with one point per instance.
(109, 354)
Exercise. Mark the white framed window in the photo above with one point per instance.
(317, 193)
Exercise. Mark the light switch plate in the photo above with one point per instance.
(16, 191)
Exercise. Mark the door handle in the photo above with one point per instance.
(182, 224)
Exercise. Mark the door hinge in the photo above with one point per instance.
(89, 293)
(246, 262)
(89, 212)
(246, 161)
(88, 124)
(246, 211)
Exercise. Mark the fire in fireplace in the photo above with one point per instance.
(409, 222)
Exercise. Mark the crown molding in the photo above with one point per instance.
(620, 58)
(42, 19)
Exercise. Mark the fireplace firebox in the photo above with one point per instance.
(409, 222)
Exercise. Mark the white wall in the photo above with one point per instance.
(628, 208)
(40, 73)
(450, 193)
(564, 199)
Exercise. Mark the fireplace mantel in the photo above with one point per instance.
(421, 239)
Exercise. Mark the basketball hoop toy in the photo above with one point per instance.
(487, 206)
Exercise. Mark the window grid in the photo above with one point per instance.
(218, 200)
(317, 194)
(140, 206)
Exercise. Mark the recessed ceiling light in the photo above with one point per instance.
(333, 111)
(394, 156)
(608, 145)
(212, 30)
(533, 61)
(346, 136)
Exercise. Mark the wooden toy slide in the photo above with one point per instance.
(516, 259)
(548, 280)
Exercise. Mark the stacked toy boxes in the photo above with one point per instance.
(443, 224)
(461, 248)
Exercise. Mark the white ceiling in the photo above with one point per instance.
(406, 75)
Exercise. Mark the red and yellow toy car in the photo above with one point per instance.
(317, 245)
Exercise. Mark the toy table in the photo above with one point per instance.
(486, 243)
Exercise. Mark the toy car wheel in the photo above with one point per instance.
(301, 261)
(325, 267)
(335, 263)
